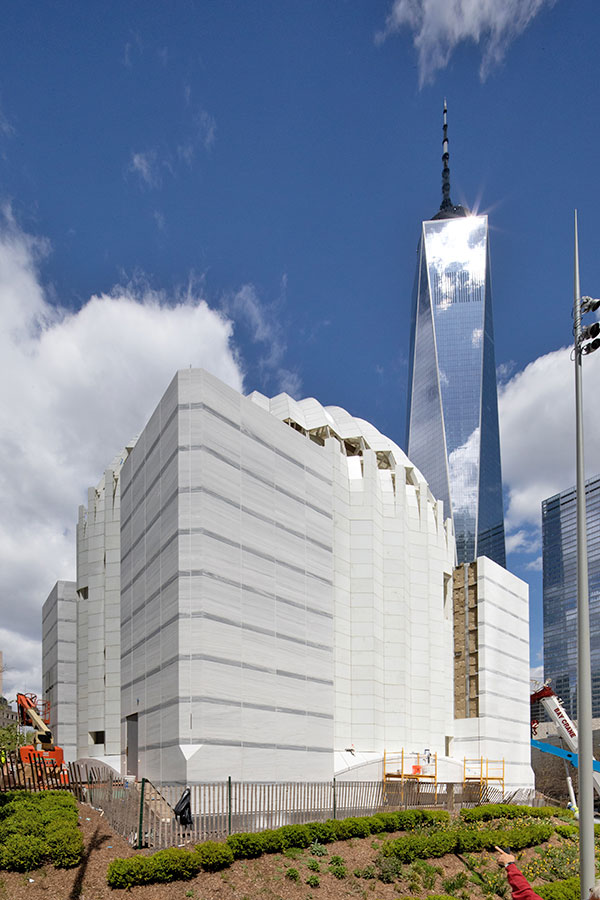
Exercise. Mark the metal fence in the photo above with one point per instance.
(16, 775)
(223, 808)
(144, 813)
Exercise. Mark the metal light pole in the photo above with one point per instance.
(587, 866)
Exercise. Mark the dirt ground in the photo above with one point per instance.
(263, 878)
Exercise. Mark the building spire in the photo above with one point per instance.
(447, 208)
(446, 201)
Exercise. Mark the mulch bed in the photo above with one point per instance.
(259, 879)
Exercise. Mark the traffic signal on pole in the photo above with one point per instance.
(589, 339)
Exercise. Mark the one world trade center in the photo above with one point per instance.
(452, 423)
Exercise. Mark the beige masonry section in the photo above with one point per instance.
(502, 729)
(466, 644)
(99, 620)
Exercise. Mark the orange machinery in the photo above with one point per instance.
(37, 716)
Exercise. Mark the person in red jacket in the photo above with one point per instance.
(520, 887)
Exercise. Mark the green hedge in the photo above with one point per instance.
(438, 841)
(39, 828)
(510, 811)
(214, 856)
(560, 890)
(466, 840)
(568, 831)
(246, 845)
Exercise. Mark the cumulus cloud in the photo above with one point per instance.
(75, 386)
(438, 26)
(522, 541)
(23, 670)
(537, 432)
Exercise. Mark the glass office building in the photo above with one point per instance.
(452, 427)
(559, 534)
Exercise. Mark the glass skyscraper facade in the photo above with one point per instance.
(452, 427)
(559, 535)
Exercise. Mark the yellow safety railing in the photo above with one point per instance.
(419, 767)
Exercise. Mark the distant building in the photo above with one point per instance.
(286, 606)
(559, 531)
(8, 716)
(452, 425)
(59, 652)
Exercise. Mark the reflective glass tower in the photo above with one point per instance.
(559, 536)
(452, 426)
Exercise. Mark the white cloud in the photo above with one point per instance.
(6, 129)
(207, 128)
(146, 166)
(23, 671)
(505, 370)
(522, 542)
(160, 220)
(463, 465)
(74, 387)
(537, 432)
(536, 673)
(263, 324)
(150, 165)
(438, 26)
(203, 134)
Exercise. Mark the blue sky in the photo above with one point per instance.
(240, 185)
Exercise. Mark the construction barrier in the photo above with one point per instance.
(143, 813)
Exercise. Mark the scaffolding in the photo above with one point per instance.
(414, 767)
(483, 771)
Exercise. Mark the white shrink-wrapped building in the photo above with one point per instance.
(99, 619)
(285, 590)
(267, 590)
(59, 652)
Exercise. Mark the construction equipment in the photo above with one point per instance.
(37, 716)
(567, 733)
(484, 771)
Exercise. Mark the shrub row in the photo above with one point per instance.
(251, 845)
(567, 831)
(466, 840)
(510, 811)
(560, 890)
(174, 864)
(212, 856)
(35, 828)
